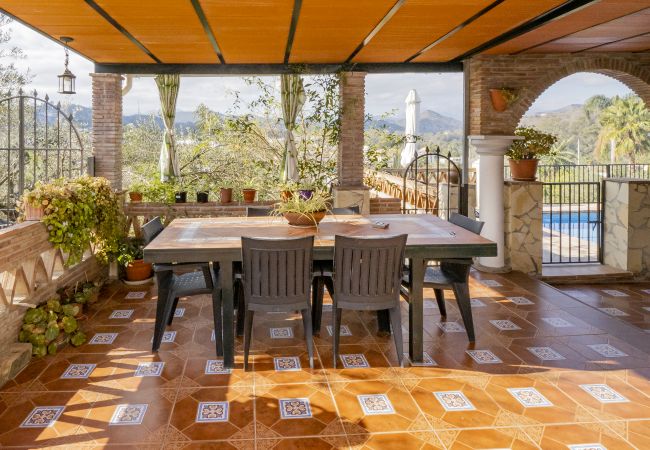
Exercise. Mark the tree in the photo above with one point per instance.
(11, 78)
(560, 154)
(627, 122)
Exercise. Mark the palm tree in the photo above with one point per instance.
(627, 122)
(560, 154)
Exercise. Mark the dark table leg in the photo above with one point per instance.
(164, 279)
(227, 299)
(416, 310)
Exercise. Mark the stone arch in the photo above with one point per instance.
(531, 74)
(632, 76)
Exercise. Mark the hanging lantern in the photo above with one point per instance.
(66, 79)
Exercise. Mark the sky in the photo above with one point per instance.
(386, 92)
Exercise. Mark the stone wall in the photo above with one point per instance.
(627, 225)
(523, 201)
(531, 74)
(107, 126)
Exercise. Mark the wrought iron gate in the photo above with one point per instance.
(572, 222)
(38, 142)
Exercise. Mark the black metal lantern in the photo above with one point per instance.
(66, 79)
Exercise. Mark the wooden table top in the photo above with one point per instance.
(212, 239)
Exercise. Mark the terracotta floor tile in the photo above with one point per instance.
(309, 443)
(318, 419)
(513, 438)
(265, 372)
(378, 367)
(195, 373)
(426, 440)
(555, 437)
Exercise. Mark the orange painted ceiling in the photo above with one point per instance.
(328, 31)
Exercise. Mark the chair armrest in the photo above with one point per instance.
(166, 267)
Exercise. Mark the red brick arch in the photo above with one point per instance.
(531, 75)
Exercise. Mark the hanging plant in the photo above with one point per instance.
(502, 98)
(79, 213)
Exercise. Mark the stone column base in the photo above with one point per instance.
(350, 196)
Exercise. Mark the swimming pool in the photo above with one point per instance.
(582, 225)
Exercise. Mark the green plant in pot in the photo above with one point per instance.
(249, 191)
(130, 259)
(287, 189)
(136, 191)
(180, 194)
(524, 154)
(304, 212)
(203, 191)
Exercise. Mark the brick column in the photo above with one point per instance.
(351, 190)
(107, 126)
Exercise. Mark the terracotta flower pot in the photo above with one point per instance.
(523, 169)
(498, 100)
(138, 270)
(285, 196)
(305, 220)
(249, 195)
(33, 212)
(135, 196)
(225, 195)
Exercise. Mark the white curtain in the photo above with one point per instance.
(168, 91)
(292, 98)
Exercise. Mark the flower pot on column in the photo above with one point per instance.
(523, 169)
(135, 196)
(524, 154)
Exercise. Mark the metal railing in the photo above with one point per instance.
(587, 172)
(572, 222)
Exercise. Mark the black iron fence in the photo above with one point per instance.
(587, 172)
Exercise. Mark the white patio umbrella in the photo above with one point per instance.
(410, 130)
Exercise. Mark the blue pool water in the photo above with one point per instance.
(583, 225)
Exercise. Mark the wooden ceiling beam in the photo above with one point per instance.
(389, 15)
(295, 15)
(208, 29)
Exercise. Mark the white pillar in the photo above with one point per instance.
(490, 194)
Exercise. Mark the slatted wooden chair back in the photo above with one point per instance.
(367, 272)
(277, 273)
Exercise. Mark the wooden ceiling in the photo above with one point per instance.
(333, 31)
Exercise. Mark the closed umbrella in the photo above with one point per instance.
(168, 91)
(410, 130)
(293, 98)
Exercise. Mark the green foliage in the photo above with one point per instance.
(130, 250)
(534, 145)
(626, 122)
(78, 338)
(319, 201)
(80, 213)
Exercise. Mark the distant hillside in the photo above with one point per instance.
(430, 122)
(82, 116)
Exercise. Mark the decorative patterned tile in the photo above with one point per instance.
(149, 369)
(603, 393)
(180, 312)
(212, 412)
(281, 333)
(354, 361)
(103, 338)
(376, 404)
(129, 414)
(614, 312)
(557, 322)
(484, 356)
(42, 417)
(545, 353)
(505, 325)
(168, 336)
(427, 360)
(491, 283)
(529, 397)
(608, 351)
(451, 327)
(345, 330)
(454, 401)
(614, 293)
(287, 364)
(476, 303)
(587, 447)
(121, 314)
(215, 367)
(521, 301)
(78, 371)
(135, 295)
(294, 408)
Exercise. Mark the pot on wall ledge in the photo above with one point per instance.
(225, 195)
(33, 212)
(135, 196)
(523, 169)
(249, 195)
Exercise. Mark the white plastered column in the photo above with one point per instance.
(491, 150)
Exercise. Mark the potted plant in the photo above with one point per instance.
(130, 258)
(180, 193)
(304, 212)
(524, 154)
(249, 192)
(135, 192)
(225, 195)
(287, 190)
(203, 192)
(306, 191)
(502, 98)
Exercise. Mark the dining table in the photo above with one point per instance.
(218, 240)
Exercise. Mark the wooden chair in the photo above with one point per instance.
(452, 274)
(202, 280)
(276, 277)
(367, 277)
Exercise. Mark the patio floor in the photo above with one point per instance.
(583, 374)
